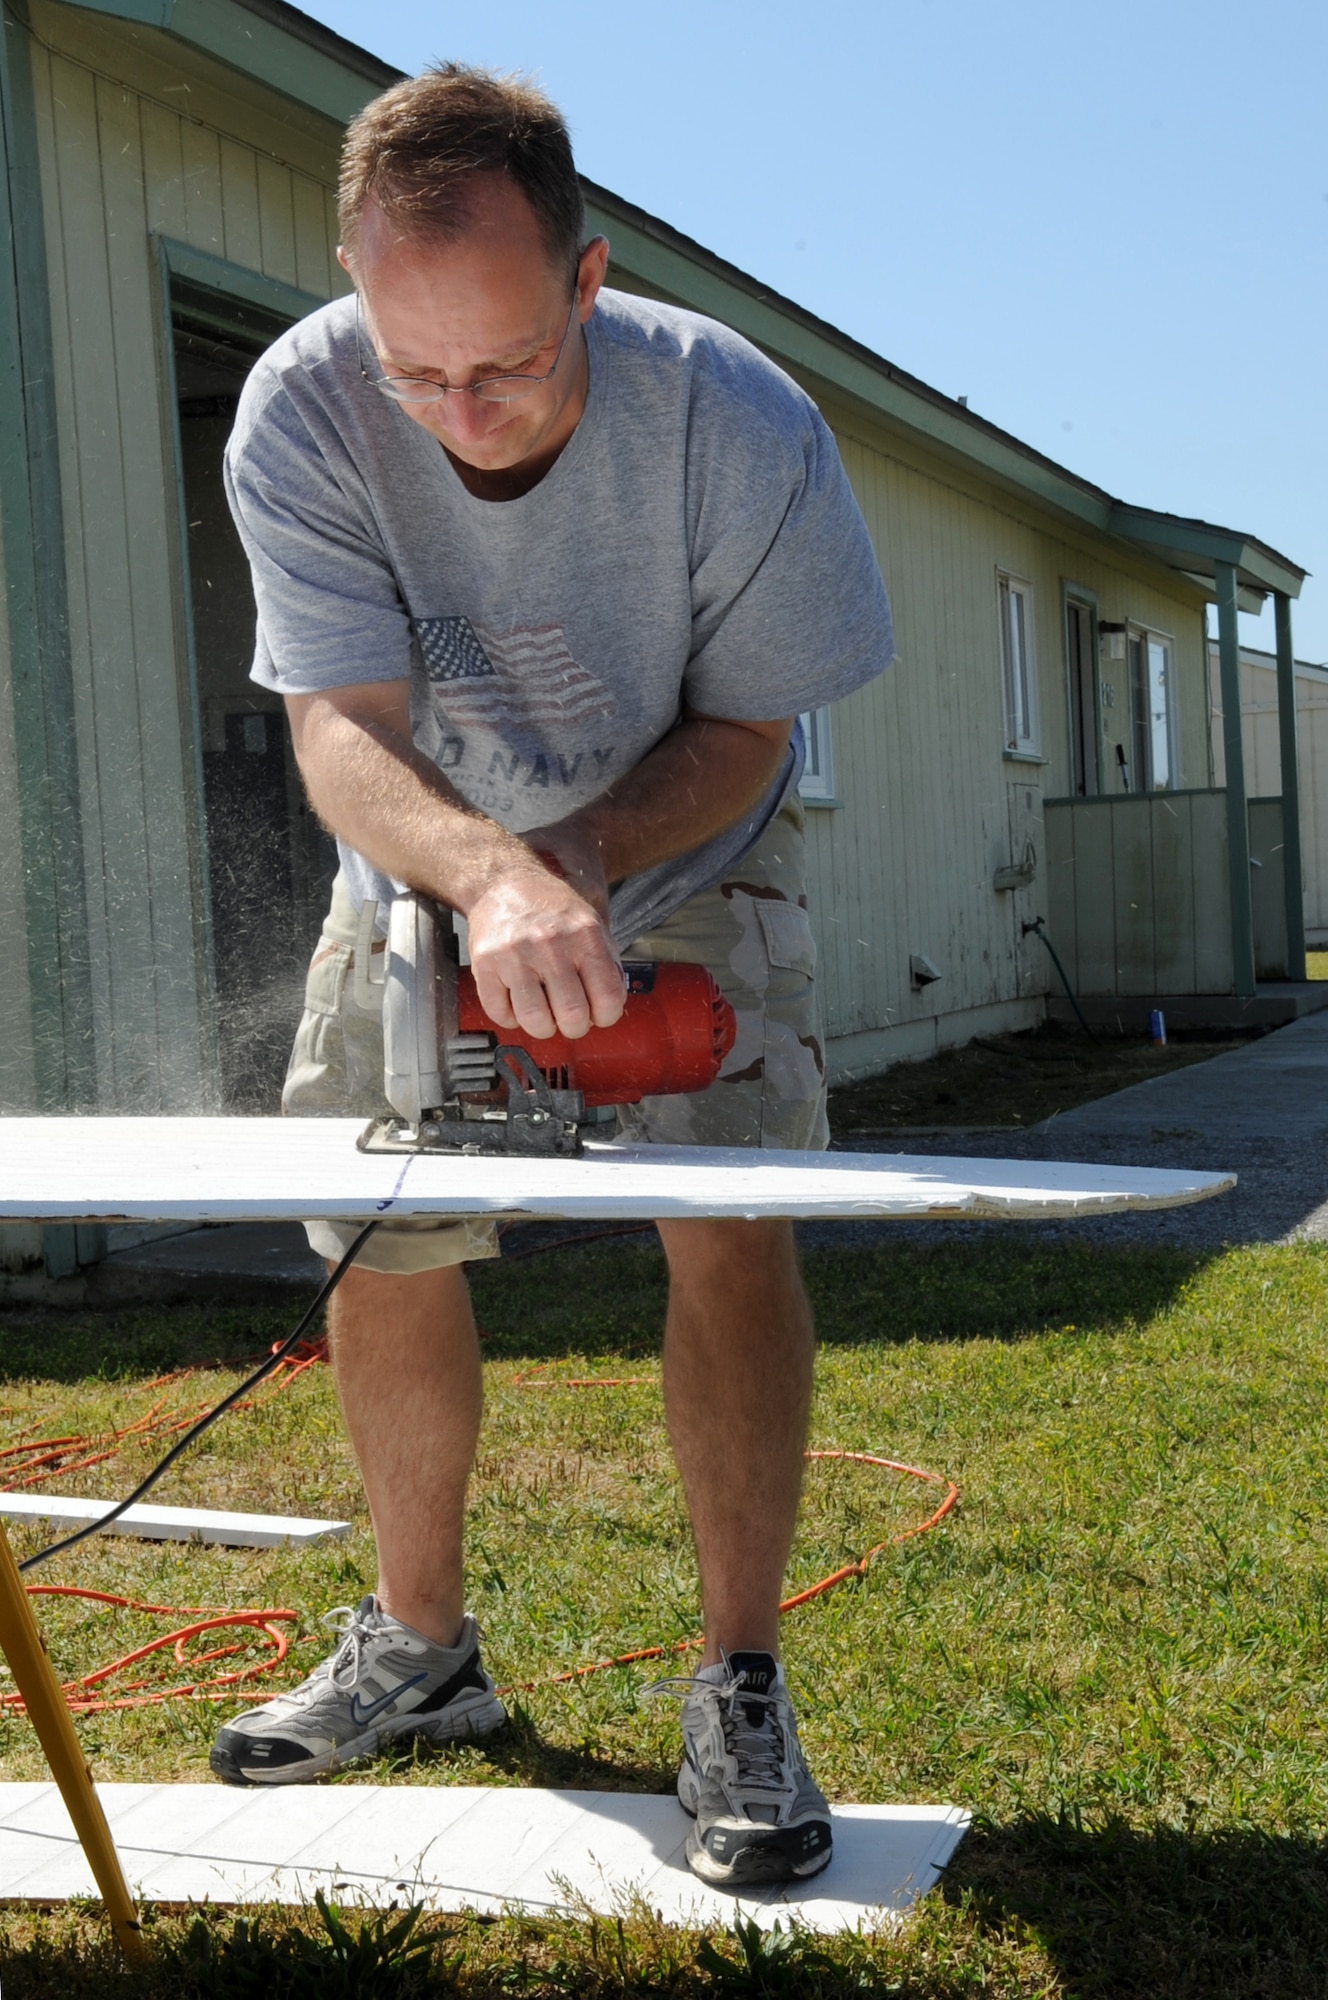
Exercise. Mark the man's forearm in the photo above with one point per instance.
(371, 786)
(700, 779)
(542, 957)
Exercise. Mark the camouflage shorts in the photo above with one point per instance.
(753, 933)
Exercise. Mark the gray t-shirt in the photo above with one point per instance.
(695, 543)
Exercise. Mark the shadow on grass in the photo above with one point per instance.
(604, 1299)
(609, 1298)
(130, 1342)
(520, 1755)
(1233, 1914)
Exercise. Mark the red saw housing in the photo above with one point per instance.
(670, 1038)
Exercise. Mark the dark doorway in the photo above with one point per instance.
(1085, 730)
(269, 864)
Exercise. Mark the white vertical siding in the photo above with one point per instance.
(1261, 741)
(932, 807)
(18, 1083)
(121, 164)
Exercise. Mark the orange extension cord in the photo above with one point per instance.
(46, 1457)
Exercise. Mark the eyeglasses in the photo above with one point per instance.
(489, 389)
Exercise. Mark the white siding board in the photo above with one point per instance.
(166, 1050)
(1214, 964)
(1095, 966)
(106, 729)
(276, 216)
(312, 250)
(239, 198)
(339, 281)
(1132, 887)
(163, 171)
(1062, 910)
(204, 213)
(18, 1082)
(1174, 913)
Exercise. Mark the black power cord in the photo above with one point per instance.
(272, 1362)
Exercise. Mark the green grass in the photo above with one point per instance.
(1114, 1654)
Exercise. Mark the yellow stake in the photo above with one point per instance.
(44, 1700)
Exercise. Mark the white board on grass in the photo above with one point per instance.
(453, 1848)
(274, 1169)
(152, 1523)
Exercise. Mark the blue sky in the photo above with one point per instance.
(1106, 225)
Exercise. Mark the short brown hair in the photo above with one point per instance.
(417, 148)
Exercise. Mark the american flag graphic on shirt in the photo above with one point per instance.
(514, 683)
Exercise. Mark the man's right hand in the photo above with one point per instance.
(543, 959)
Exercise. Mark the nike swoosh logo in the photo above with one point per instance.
(360, 1715)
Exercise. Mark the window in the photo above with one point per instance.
(1018, 666)
(1151, 720)
(818, 773)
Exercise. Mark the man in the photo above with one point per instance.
(545, 573)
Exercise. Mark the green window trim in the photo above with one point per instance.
(186, 265)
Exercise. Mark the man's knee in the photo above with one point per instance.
(369, 1304)
(724, 1250)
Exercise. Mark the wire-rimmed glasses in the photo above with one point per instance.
(489, 389)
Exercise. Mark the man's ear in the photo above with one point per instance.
(590, 274)
(344, 262)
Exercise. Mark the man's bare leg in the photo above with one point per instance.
(407, 1365)
(738, 1353)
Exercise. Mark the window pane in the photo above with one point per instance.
(1015, 601)
(1140, 775)
(817, 781)
(1019, 651)
(812, 734)
(1159, 718)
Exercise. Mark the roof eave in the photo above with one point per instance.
(271, 42)
(1198, 546)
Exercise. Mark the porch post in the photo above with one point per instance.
(1238, 817)
(1286, 728)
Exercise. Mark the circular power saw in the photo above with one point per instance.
(457, 1082)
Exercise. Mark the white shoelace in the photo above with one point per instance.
(757, 1748)
(343, 1669)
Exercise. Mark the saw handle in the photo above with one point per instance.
(672, 1037)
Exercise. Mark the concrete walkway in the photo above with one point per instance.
(1260, 1112)
(1274, 1088)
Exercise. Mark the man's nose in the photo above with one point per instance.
(468, 417)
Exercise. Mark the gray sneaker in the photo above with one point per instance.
(759, 1816)
(384, 1682)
